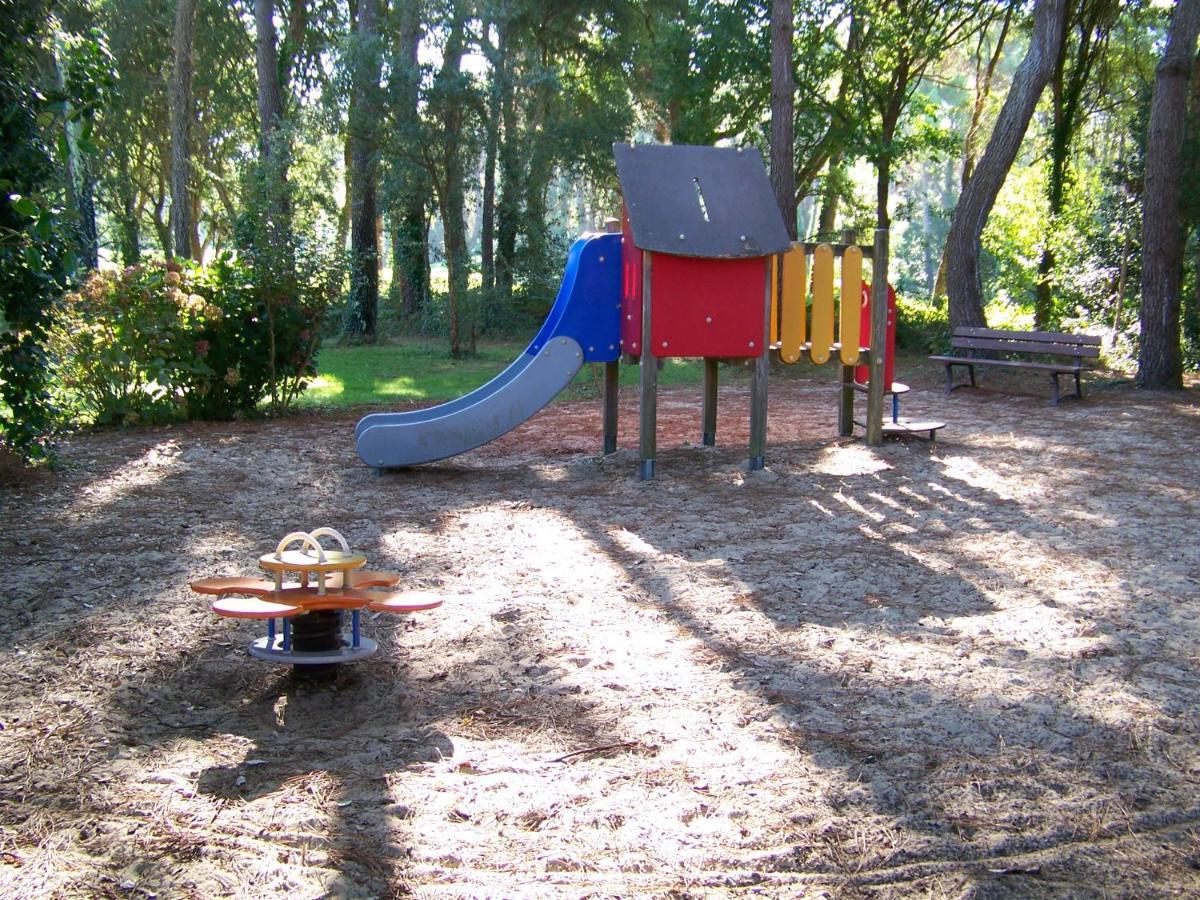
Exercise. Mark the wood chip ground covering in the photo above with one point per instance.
(965, 668)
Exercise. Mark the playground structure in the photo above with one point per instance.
(306, 593)
(702, 267)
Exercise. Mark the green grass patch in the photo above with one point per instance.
(421, 371)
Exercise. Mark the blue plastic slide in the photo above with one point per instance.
(584, 325)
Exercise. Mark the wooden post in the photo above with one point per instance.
(648, 387)
(612, 387)
(879, 285)
(758, 383)
(846, 402)
(709, 427)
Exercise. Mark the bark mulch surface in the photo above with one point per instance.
(961, 668)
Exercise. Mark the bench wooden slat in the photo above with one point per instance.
(1063, 367)
(1015, 346)
(1053, 337)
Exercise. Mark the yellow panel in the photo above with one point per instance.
(795, 282)
(822, 290)
(851, 306)
(774, 300)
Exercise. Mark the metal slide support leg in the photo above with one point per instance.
(879, 284)
(846, 402)
(710, 402)
(758, 383)
(611, 390)
(648, 386)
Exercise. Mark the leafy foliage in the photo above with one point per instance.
(159, 342)
(34, 261)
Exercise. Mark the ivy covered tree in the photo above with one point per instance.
(1160, 363)
(34, 259)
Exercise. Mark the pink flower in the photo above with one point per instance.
(201, 347)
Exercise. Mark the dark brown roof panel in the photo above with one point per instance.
(708, 202)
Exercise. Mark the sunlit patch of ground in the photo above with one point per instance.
(966, 667)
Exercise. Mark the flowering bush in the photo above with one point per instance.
(162, 341)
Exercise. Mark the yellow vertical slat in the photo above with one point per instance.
(774, 299)
(822, 291)
(795, 284)
(851, 305)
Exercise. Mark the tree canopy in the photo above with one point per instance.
(440, 154)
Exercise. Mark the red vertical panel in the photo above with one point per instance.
(862, 373)
(708, 307)
(631, 289)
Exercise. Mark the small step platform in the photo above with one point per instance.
(898, 426)
(915, 427)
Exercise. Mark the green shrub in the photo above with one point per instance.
(921, 326)
(110, 342)
(160, 341)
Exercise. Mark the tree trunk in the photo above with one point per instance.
(1191, 302)
(889, 120)
(1160, 362)
(410, 260)
(81, 182)
(927, 230)
(783, 91)
(270, 98)
(830, 195)
(182, 114)
(499, 65)
(128, 220)
(273, 145)
(363, 304)
(1092, 20)
(983, 91)
(410, 245)
(508, 210)
(451, 190)
(162, 224)
(975, 204)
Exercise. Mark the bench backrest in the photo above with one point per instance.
(1052, 343)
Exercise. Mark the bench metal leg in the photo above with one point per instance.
(950, 385)
(1078, 386)
(1054, 383)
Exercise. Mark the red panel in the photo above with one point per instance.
(862, 373)
(707, 307)
(631, 290)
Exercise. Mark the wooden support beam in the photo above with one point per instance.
(879, 283)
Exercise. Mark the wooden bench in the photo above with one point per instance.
(1056, 353)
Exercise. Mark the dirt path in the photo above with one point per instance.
(960, 669)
